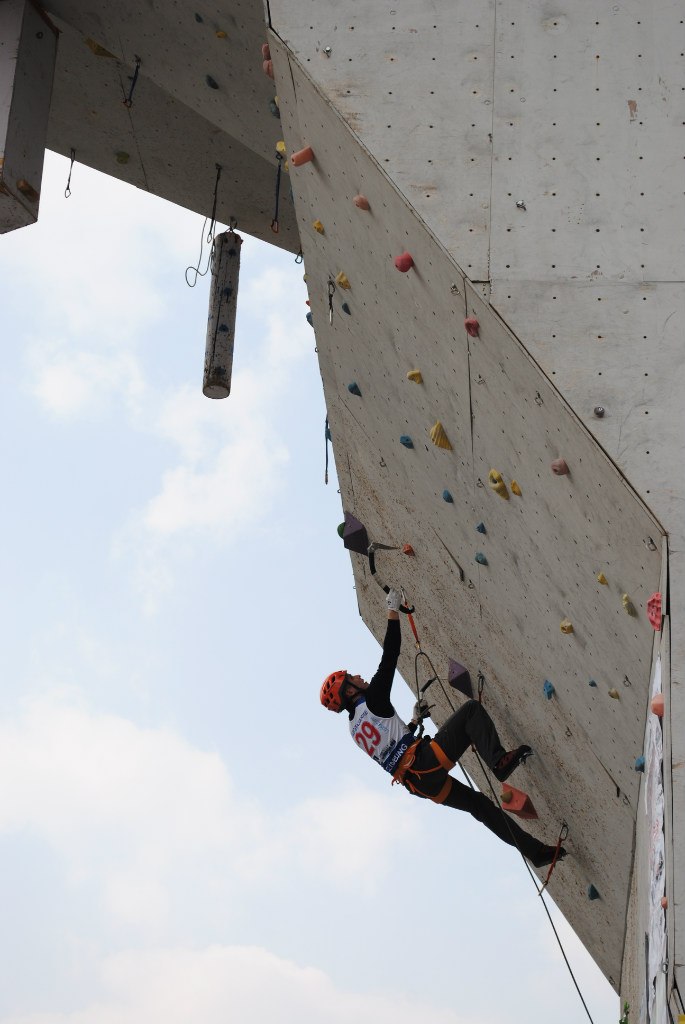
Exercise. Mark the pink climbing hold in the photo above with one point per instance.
(654, 610)
(657, 705)
(266, 51)
(268, 68)
(303, 156)
(559, 467)
(472, 326)
(404, 262)
(361, 202)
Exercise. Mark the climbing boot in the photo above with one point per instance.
(546, 856)
(510, 761)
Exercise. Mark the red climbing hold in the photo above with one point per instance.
(559, 467)
(408, 549)
(517, 802)
(472, 326)
(266, 51)
(361, 202)
(268, 68)
(303, 156)
(654, 610)
(404, 262)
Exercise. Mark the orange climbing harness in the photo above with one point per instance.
(405, 766)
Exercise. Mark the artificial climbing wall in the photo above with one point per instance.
(425, 112)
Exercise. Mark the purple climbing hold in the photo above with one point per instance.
(355, 537)
(459, 678)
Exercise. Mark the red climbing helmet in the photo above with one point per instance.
(331, 695)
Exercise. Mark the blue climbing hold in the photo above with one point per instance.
(446, 496)
(227, 291)
(639, 764)
(346, 309)
(592, 893)
(353, 389)
(223, 329)
(199, 19)
(548, 689)
(211, 82)
(480, 558)
(273, 107)
(309, 319)
(481, 528)
(406, 441)
(592, 683)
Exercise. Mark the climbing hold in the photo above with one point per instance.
(592, 893)
(354, 389)
(318, 226)
(302, 156)
(407, 549)
(480, 558)
(481, 528)
(280, 147)
(654, 610)
(657, 705)
(628, 605)
(517, 802)
(99, 50)
(548, 689)
(341, 530)
(566, 626)
(446, 496)
(459, 679)
(601, 578)
(416, 376)
(515, 489)
(614, 694)
(404, 262)
(472, 326)
(439, 437)
(211, 82)
(220, 34)
(309, 319)
(199, 19)
(355, 536)
(268, 68)
(639, 764)
(498, 485)
(664, 902)
(274, 108)
(599, 411)
(406, 441)
(266, 51)
(559, 467)
(122, 157)
(346, 309)
(361, 202)
(342, 281)
(592, 683)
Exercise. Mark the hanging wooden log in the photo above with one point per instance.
(223, 300)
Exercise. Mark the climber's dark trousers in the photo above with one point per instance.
(470, 724)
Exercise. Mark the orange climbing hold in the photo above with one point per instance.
(657, 705)
(517, 802)
(302, 156)
(407, 549)
(472, 326)
(268, 68)
(266, 51)
(361, 202)
(515, 489)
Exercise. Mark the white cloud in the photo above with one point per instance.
(72, 382)
(244, 984)
(139, 812)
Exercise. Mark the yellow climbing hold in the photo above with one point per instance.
(566, 626)
(601, 578)
(97, 49)
(515, 489)
(341, 280)
(498, 485)
(318, 226)
(416, 376)
(439, 437)
(220, 34)
(628, 605)
(280, 148)
(614, 694)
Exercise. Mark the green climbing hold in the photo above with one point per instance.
(341, 530)
(354, 389)
(592, 893)
(481, 559)
(346, 309)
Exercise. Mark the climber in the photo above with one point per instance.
(423, 766)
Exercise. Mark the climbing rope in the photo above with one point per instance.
(563, 833)
(209, 239)
(133, 79)
(67, 191)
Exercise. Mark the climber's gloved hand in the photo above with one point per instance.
(421, 711)
(393, 601)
